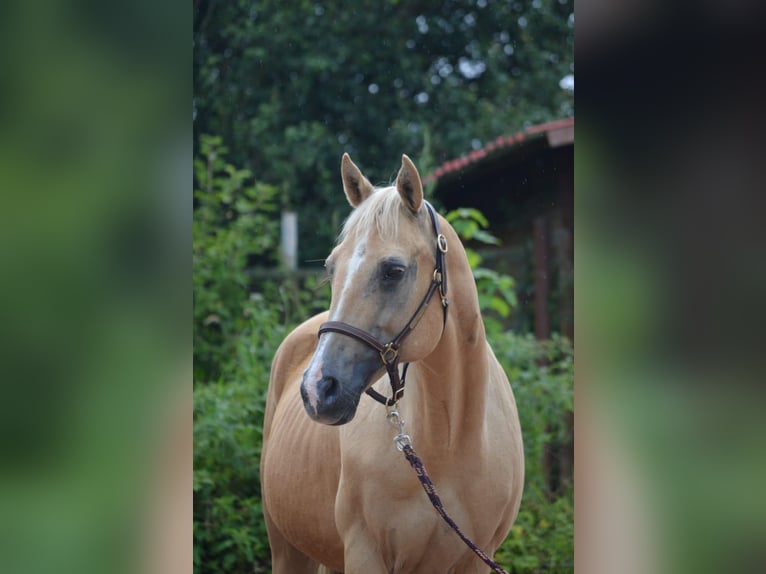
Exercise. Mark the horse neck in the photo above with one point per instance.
(449, 397)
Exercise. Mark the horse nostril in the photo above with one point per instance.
(328, 388)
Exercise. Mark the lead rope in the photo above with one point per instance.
(403, 443)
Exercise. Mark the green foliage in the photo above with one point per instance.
(291, 88)
(542, 538)
(542, 376)
(229, 534)
(239, 321)
(234, 224)
(497, 293)
(229, 531)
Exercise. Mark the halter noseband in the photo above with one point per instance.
(389, 352)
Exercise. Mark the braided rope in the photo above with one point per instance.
(430, 490)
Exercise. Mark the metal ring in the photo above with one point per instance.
(441, 243)
(389, 354)
(402, 440)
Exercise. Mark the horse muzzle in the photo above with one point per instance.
(328, 401)
(335, 380)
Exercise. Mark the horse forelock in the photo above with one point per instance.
(381, 210)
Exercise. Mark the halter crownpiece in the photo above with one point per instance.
(389, 352)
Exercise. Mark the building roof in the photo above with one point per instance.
(555, 134)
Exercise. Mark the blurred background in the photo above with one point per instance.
(670, 282)
(95, 297)
(480, 94)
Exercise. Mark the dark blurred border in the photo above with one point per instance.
(670, 271)
(95, 304)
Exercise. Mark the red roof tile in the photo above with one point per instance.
(505, 141)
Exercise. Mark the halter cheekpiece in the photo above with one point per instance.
(389, 352)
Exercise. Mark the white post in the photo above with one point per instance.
(290, 239)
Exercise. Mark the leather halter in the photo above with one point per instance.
(389, 352)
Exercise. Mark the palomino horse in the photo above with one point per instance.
(338, 495)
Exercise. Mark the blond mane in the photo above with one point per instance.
(381, 209)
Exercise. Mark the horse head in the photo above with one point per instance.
(380, 270)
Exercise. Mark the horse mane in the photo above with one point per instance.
(381, 209)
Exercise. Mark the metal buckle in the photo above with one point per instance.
(441, 243)
(400, 440)
(389, 353)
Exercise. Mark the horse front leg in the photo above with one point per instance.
(362, 554)
(285, 558)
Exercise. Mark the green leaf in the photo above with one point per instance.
(485, 237)
(500, 306)
(474, 259)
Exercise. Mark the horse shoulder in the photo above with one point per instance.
(292, 353)
(290, 361)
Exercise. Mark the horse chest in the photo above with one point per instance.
(300, 479)
(381, 504)
(391, 525)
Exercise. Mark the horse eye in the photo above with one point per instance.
(393, 273)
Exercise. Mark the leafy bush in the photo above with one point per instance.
(234, 224)
(497, 294)
(542, 376)
(229, 533)
(239, 321)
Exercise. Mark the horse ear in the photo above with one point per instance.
(355, 185)
(409, 186)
